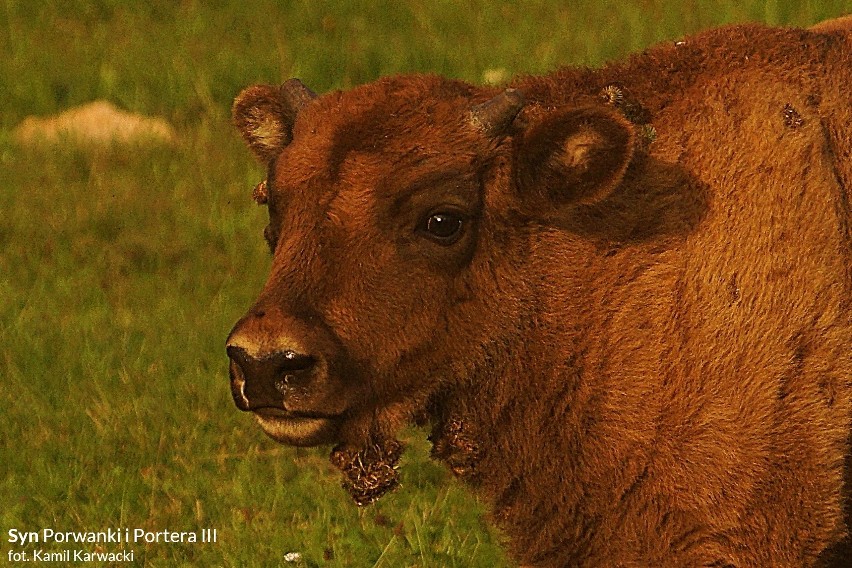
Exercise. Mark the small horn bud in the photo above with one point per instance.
(297, 94)
(493, 117)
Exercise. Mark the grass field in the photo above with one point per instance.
(122, 269)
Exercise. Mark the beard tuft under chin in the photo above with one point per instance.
(369, 473)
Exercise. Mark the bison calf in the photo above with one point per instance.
(621, 297)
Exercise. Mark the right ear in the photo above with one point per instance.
(265, 115)
(572, 156)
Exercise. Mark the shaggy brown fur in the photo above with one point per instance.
(625, 311)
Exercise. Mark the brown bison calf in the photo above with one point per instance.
(621, 297)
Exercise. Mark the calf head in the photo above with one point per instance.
(400, 217)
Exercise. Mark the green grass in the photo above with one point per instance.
(121, 270)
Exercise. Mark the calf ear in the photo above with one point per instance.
(572, 156)
(265, 115)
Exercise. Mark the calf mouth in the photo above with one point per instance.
(297, 429)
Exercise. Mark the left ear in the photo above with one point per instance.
(265, 115)
(572, 156)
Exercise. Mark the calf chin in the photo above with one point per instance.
(298, 430)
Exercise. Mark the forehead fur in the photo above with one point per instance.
(403, 120)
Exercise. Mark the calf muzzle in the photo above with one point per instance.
(262, 382)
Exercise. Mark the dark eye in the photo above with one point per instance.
(443, 228)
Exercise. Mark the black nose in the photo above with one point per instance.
(261, 382)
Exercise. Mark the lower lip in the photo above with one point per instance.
(296, 431)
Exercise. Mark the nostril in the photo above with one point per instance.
(292, 361)
(238, 355)
(263, 381)
(279, 361)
